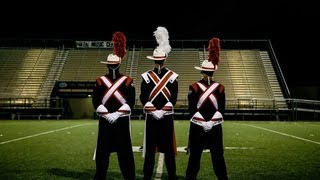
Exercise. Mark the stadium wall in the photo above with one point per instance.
(80, 108)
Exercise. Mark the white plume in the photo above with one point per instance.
(162, 37)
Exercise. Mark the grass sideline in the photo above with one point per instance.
(63, 149)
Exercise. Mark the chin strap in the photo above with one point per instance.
(159, 69)
(114, 71)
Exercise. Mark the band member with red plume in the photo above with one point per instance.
(206, 100)
(159, 91)
(113, 98)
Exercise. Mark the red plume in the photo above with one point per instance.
(214, 51)
(119, 44)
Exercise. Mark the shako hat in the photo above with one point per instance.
(213, 58)
(163, 49)
(119, 49)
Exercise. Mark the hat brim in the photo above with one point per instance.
(204, 69)
(155, 58)
(106, 62)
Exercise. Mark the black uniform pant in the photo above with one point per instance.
(126, 163)
(149, 161)
(159, 134)
(217, 160)
(217, 157)
(114, 138)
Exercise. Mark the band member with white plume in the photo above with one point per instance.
(113, 98)
(163, 49)
(206, 100)
(162, 38)
(159, 91)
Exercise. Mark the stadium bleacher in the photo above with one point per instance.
(33, 74)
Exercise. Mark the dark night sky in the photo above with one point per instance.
(291, 26)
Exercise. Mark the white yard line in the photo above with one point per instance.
(43, 133)
(284, 134)
(160, 167)
(182, 149)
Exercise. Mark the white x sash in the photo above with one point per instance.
(160, 85)
(113, 89)
(207, 94)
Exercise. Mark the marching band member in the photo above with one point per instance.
(113, 98)
(159, 90)
(206, 100)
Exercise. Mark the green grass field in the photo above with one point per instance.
(63, 149)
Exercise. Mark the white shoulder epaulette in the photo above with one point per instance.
(173, 77)
(145, 77)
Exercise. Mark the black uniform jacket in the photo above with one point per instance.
(197, 136)
(160, 133)
(117, 135)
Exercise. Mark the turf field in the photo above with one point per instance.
(63, 149)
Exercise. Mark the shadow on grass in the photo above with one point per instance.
(87, 174)
(164, 176)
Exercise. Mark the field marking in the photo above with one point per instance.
(43, 133)
(284, 134)
(182, 149)
(159, 167)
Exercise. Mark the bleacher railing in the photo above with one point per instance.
(279, 71)
(31, 103)
(303, 108)
(298, 109)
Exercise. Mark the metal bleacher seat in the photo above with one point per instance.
(84, 65)
(23, 71)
